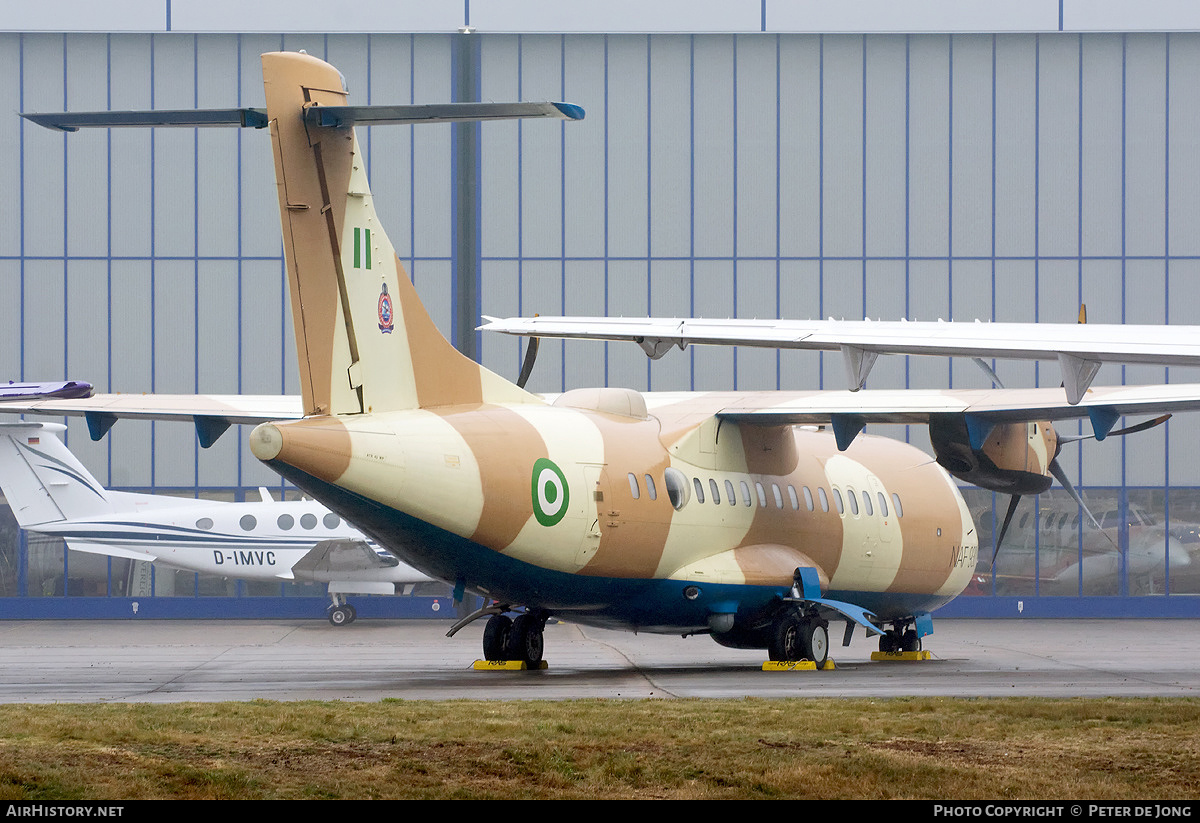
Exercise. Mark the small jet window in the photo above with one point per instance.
(204, 523)
(824, 498)
(286, 521)
(808, 501)
(762, 494)
(867, 503)
(746, 495)
(853, 500)
(715, 490)
(698, 484)
(730, 494)
(633, 486)
(795, 501)
(778, 496)
(883, 504)
(331, 521)
(309, 521)
(896, 504)
(248, 522)
(837, 500)
(651, 491)
(677, 488)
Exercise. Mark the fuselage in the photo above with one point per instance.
(596, 508)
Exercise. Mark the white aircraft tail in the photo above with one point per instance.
(364, 340)
(42, 481)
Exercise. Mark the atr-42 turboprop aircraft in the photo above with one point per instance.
(689, 513)
(51, 493)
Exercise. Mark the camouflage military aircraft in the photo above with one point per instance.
(690, 513)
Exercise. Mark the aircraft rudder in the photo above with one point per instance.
(42, 480)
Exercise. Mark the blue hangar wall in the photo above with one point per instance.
(750, 167)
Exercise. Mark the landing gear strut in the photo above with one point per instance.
(521, 639)
(798, 636)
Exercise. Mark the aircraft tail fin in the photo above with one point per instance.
(42, 481)
(365, 342)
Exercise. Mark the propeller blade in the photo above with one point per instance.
(1008, 516)
(1134, 429)
(1061, 476)
(531, 351)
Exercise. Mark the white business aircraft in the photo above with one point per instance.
(685, 513)
(51, 493)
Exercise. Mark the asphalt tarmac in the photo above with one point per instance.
(184, 660)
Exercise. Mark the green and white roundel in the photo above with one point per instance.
(550, 492)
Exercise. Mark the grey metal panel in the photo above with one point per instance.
(971, 146)
(886, 141)
(1058, 145)
(260, 339)
(434, 283)
(929, 145)
(431, 144)
(44, 309)
(841, 138)
(714, 193)
(626, 144)
(218, 302)
(670, 291)
(541, 150)
(1016, 145)
(757, 146)
(584, 360)
(389, 150)
(500, 294)
(500, 150)
(712, 367)
(11, 312)
(540, 284)
(1184, 141)
(672, 122)
(800, 146)
(130, 149)
(87, 178)
(585, 83)
(1100, 206)
(1145, 146)
(42, 89)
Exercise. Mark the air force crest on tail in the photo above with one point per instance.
(386, 320)
(550, 492)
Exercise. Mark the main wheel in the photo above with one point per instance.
(339, 616)
(496, 636)
(815, 641)
(526, 642)
(785, 638)
(910, 642)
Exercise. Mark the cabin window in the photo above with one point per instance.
(285, 521)
(837, 500)
(778, 496)
(715, 489)
(634, 490)
(331, 521)
(749, 503)
(808, 501)
(762, 494)
(852, 498)
(867, 503)
(248, 522)
(795, 501)
(698, 485)
(309, 521)
(651, 489)
(730, 495)
(896, 505)
(677, 487)
(883, 504)
(205, 523)
(824, 498)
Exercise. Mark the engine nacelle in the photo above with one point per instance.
(1014, 458)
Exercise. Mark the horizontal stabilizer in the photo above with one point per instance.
(110, 550)
(334, 556)
(341, 116)
(188, 118)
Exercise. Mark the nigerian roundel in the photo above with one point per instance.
(550, 492)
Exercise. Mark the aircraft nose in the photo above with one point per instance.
(1177, 555)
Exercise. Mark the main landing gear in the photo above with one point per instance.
(799, 635)
(520, 639)
(341, 613)
(902, 637)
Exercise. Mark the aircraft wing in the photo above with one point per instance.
(848, 412)
(1080, 348)
(212, 414)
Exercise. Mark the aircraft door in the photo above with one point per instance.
(592, 503)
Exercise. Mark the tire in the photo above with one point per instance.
(339, 616)
(815, 641)
(910, 641)
(526, 642)
(785, 638)
(496, 637)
